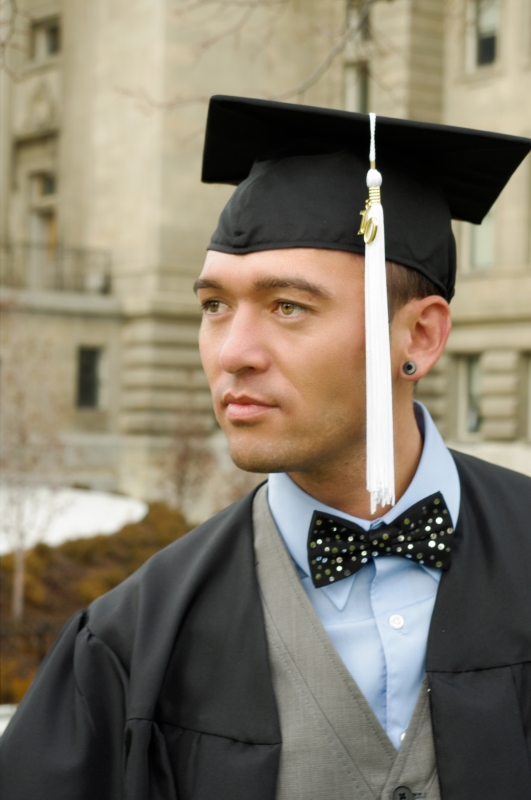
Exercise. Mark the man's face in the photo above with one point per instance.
(282, 343)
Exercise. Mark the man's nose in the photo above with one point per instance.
(244, 346)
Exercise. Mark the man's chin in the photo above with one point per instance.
(261, 457)
(257, 462)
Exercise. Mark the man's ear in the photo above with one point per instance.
(419, 332)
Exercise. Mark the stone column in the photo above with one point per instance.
(163, 389)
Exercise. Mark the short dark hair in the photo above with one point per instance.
(405, 284)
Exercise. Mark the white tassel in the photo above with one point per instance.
(380, 443)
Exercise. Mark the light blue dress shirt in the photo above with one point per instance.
(378, 619)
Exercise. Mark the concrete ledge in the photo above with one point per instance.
(63, 303)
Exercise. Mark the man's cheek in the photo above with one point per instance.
(210, 365)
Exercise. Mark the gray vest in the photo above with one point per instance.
(333, 747)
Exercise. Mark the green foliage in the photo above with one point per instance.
(61, 580)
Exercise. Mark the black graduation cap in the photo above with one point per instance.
(301, 175)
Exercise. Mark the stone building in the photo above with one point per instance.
(104, 222)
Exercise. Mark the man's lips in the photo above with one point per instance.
(245, 407)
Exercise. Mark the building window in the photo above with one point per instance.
(357, 87)
(43, 230)
(43, 236)
(482, 244)
(45, 39)
(47, 185)
(473, 394)
(88, 360)
(469, 378)
(469, 411)
(487, 30)
(358, 16)
(43, 187)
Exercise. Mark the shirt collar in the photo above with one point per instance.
(292, 509)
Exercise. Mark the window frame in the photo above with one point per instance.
(462, 396)
(360, 87)
(464, 236)
(471, 67)
(495, 34)
(97, 351)
(475, 233)
(39, 27)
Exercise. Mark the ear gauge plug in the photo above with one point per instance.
(409, 368)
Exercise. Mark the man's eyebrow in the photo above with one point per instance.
(264, 284)
(206, 283)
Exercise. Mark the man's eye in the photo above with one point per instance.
(212, 306)
(290, 309)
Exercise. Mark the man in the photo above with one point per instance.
(302, 643)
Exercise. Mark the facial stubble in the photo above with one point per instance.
(331, 442)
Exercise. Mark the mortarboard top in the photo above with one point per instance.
(471, 166)
(301, 176)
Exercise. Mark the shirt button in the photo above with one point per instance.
(403, 793)
(396, 621)
(402, 736)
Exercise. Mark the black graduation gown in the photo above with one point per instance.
(162, 688)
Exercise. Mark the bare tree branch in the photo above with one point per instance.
(186, 467)
(9, 13)
(222, 8)
(31, 448)
(337, 49)
(13, 34)
(233, 30)
(318, 73)
(270, 29)
(147, 104)
(8, 19)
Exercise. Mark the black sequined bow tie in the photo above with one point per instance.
(338, 548)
